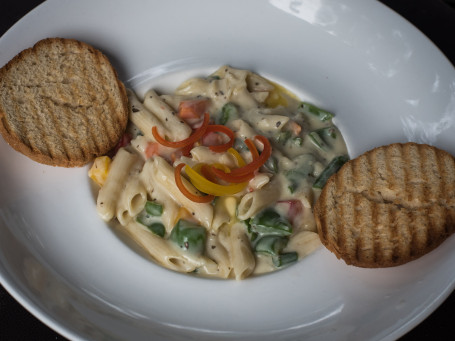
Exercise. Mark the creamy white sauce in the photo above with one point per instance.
(262, 108)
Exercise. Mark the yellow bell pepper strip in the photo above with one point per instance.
(256, 164)
(247, 172)
(237, 156)
(209, 187)
(185, 192)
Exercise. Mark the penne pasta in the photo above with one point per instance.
(227, 187)
(204, 154)
(161, 251)
(217, 252)
(118, 174)
(253, 202)
(242, 258)
(143, 118)
(132, 200)
(175, 127)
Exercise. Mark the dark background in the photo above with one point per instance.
(435, 18)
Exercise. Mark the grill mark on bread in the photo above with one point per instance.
(331, 222)
(107, 125)
(430, 170)
(37, 121)
(351, 235)
(378, 242)
(13, 131)
(64, 152)
(377, 254)
(97, 140)
(72, 129)
(427, 192)
(366, 234)
(448, 172)
(37, 143)
(385, 236)
(412, 193)
(340, 233)
(110, 104)
(435, 215)
(356, 222)
(412, 157)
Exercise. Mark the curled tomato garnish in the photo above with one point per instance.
(247, 172)
(252, 148)
(198, 133)
(217, 128)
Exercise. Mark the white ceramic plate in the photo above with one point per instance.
(384, 80)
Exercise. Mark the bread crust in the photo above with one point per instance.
(391, 205)
(56, 126)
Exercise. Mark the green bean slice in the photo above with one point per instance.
(272, 245)
(158, 229)
(317, 140)
(331, 169)
(189, 236)
(271, 222)
(327, 131)
(150, 222)
(322, 114)
(153, 208)
(285, 259)
(228, 112)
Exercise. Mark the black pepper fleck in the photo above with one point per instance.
(278, 124)
(135, 109)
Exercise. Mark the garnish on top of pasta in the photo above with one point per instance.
(219, 178)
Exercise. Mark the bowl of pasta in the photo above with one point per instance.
(200, 223)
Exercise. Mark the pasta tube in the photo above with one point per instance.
(108, 195)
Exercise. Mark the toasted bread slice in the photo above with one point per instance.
(61, 103)
(388, 206)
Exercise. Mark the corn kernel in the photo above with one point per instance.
(100, 169)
